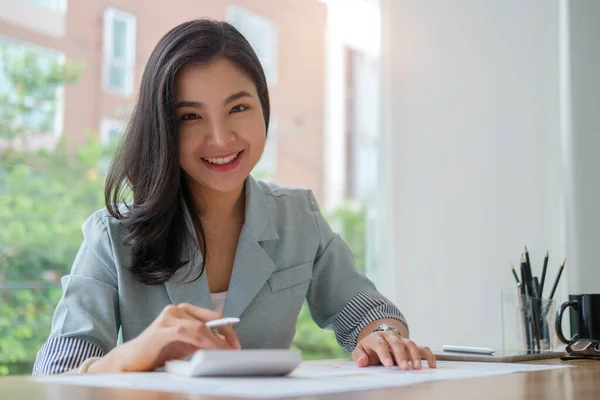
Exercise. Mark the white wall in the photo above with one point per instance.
(472, 158)
(582, 145)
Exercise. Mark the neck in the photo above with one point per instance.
(221, 206)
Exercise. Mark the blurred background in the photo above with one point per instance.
(439, 136)
(69, 75)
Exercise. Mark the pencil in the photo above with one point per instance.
(544, 274)
(529, 276)
(512, 267)
(560, 270)
(526, 327)
(528, 264)
(523, 275)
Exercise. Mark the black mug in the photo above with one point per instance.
(585, 317)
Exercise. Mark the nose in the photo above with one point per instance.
(219, 134)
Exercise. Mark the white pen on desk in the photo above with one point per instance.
(219, 323)
(468, 349)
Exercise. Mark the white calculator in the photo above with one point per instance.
(269, 362)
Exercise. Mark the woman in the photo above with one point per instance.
(201, 238)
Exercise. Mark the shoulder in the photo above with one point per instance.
(292, 208)
(288, 196)
(102, 227)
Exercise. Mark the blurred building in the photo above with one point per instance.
(353, 108)
(353, 100)
(114, 39)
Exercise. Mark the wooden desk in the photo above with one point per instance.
(581, 382)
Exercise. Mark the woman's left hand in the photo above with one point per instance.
(388, 348)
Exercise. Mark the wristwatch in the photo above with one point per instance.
(387, 328)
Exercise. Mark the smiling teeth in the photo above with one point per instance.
(222, 161)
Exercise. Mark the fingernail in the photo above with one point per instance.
(238, 344)
(405, 364)
(388, 362)
(417, 364)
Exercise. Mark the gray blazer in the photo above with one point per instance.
(286, 253)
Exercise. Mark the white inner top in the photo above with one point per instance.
(218, 300)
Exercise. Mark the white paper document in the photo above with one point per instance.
(310, 378)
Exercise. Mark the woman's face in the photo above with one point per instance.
(222, 130)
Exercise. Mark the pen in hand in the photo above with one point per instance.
(219, 323)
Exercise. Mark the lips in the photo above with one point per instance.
(222, 160)
(225, 162)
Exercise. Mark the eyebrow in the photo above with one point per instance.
(198, 104)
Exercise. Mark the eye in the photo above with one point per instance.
(188, 117)
(239, 108)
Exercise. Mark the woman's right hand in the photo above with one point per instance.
(176, 333)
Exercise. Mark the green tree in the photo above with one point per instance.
(44, 197)
(316, 343)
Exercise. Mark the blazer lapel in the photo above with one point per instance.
(251, 270)
(252, 266)
(180, 288)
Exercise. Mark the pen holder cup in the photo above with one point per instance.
(528, 323)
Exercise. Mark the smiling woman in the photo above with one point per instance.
(202, 235)
(221, 122)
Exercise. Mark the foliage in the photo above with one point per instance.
(315, 343)
(45, 195)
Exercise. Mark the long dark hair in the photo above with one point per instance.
(147, 160)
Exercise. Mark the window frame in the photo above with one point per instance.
(247, 22)
(111, 15)
(107, 125)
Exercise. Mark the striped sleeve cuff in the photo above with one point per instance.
(366, 307)
(63, 354)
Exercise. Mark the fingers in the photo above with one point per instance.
(204, 315)
(389, 349)
(360, 357)
(187, 321)
(428, 355)
(413, 353)
(381, 347)
(398, 349)
(195, 333)
(211, 340)
(230, 337)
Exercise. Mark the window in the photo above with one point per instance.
(44, 114)
(55, 5)
(119, 51)
(262, 35)
(110, 131)
(267, 166)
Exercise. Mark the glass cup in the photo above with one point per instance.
(528, 323)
